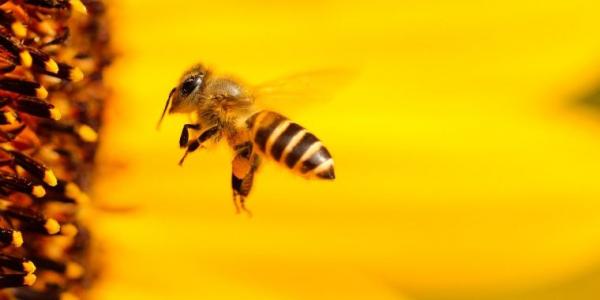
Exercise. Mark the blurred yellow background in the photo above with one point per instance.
(464, 169)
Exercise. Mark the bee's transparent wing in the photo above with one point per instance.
(292, 93)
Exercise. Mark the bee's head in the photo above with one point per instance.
(188, 93)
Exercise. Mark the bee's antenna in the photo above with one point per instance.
(165, 110)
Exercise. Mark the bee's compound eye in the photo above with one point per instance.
(189, 85)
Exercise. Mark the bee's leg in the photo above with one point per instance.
(209, 133)
(241, 189)
(244, 165)
(185, 135)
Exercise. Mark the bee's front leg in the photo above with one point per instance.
(191, 147)
(185, 135)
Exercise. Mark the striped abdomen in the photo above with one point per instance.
(290, 144)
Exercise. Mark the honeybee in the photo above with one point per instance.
(225, 108)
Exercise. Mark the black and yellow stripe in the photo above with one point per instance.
(291, 145)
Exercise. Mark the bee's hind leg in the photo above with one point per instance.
(191, 147)
(241, 189)
(244, 165)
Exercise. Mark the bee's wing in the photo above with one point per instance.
(299, 90)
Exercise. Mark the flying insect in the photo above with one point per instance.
(227, 109)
